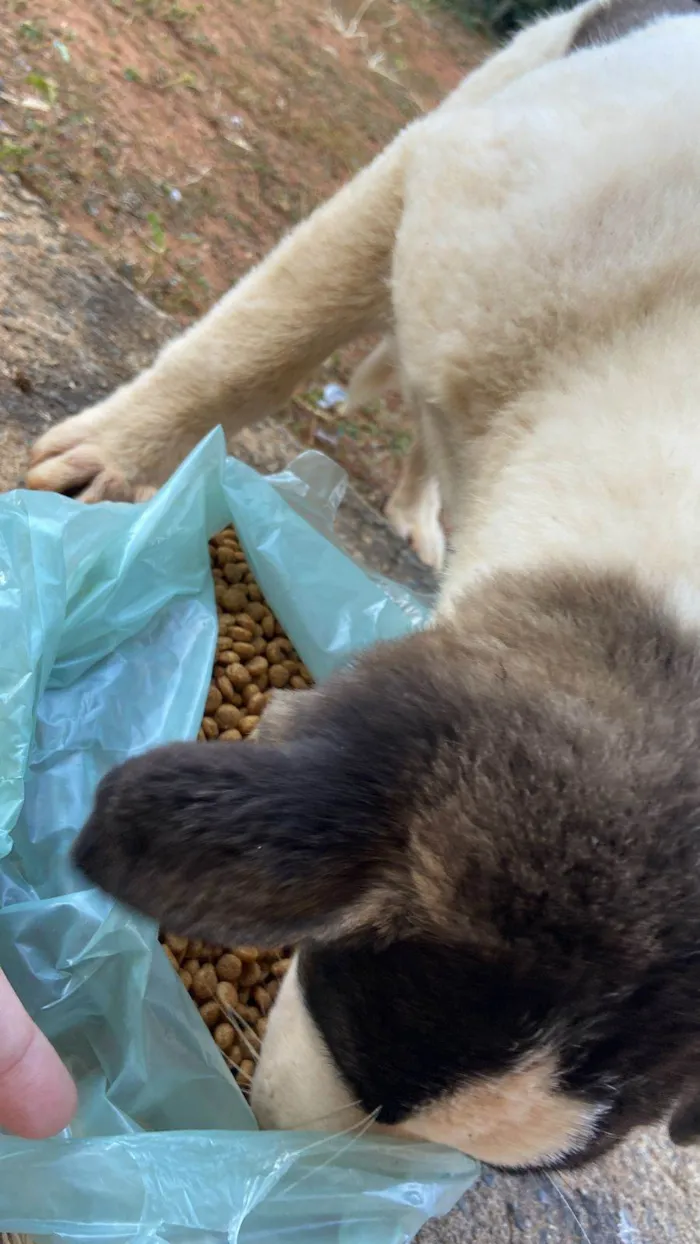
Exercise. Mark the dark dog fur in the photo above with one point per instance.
(502, 819)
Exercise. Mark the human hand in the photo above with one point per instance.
(37, 1095)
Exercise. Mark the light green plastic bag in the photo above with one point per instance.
(107, 629)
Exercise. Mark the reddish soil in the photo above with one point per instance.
(183, 139)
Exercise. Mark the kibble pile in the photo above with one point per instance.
(234, 990)
(234, 987)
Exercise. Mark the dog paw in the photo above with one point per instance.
(420, 524)
(86, 458)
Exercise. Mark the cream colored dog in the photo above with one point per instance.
(532, 243)
(498, 816)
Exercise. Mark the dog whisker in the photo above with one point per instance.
(361, 1127)
(560, 1193)
(340, 1110)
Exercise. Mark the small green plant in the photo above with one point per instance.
(186, 79)
(33, 32)
(12, 155)
(179, 13)
(132, 75)
(45, 87)
(158, 242)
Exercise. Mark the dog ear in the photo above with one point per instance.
(684, 1125)
(249, 843)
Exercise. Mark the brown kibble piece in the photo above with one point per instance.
(261, 1028)
(248, 954)
(224, 685)
(248, 724)
(234, 599)
(256, 666)
(297, 683)
(229, 967)
(227, 995)
(256, 610)
(177, 944)
(256, 704)
(204, 982)
(234, 571)
(251, 973)
(247, 1067)
(186, 978)
(247, 623)
(278, 675)
(171, 957)
(224, 1036)
(210, 1012)
(228, 716)
(263, 1001)
(210, 728)
(280, 968)
(231, 736)
(238, 675)
(192, 966)
(214, 699)
(250, 1014)
(244, 651)
(241, 634)
(277, 651)
(268, 625)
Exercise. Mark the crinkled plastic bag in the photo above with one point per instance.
(108, 627)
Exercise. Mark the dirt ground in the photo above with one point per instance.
(184, 139)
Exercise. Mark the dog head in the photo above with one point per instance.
(485, 840)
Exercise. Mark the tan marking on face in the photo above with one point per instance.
(516, 1119)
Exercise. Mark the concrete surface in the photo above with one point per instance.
(70, 330)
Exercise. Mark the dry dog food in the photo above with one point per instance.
(234, 987)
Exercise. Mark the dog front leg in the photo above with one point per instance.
(323, 285)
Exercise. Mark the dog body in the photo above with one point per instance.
(484, 838)
(555, 383)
